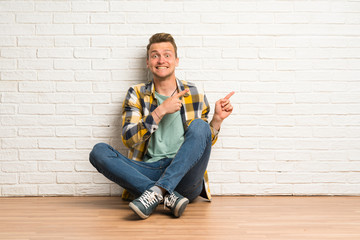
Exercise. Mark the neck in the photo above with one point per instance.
(165, 87)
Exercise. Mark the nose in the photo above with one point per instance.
(161, 59)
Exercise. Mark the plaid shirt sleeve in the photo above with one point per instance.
(204, 116)
(137, 128)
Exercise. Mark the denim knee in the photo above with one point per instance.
(95, 154)
(200, 128)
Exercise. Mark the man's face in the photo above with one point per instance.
(162, 60)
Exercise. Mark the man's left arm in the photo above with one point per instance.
(223, 109)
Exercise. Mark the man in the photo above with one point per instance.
(165, 127)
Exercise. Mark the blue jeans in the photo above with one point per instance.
(184, 173)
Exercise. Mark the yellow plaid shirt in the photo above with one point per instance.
(138, 123)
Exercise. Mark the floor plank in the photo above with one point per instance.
(231, 217)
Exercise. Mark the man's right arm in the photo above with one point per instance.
(136, 128)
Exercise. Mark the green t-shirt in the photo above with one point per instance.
(168, 138)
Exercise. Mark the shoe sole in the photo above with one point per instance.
(138, 211)
(180, 207)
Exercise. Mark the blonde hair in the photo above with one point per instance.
(158, 38)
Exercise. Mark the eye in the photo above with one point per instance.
(154, 56)
(167, 55)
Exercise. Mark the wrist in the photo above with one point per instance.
(216, 122)
(160, 111)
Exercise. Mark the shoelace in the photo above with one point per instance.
(170, 200)
(149, 198)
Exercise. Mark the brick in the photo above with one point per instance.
(92, 98)
(18, 6)
(19, 143)
(8, 155)
(99, 76)
(93, 190)
(84, 167)
(58, 75)
(33, 18)
(251, 18)
(219, 18)
(91, 53)
(277, 53)
(140, 18)
(91, 29)
(106, 132)
(6, 41)
(55, 53)
(73, 87)
(56, 190)
(19, 97)
(20, 190)
(55, 98)
(54, 29)
(73, 132)
(36, 86)
(78, 64)
(71, 18)
(18, 167)
(95, 121)
(36, 64)
(276, 144)
(275, 7)
(37, 178)
(72, 155)
(75, 41)
(107, 64)
(8, 64)
(58, 120)
(77, 109)
(7, 109)
(56, 143)
(94, 6)
(128, 53)
(37, 41)
(18, 53)
(19, 120)
(8, 178)
(318, 6)
(38, 132)
(41, 109)
(108, 41)
(74, 178)
(240, 53)
(138, 6)
(54, 6)
(17, 29)
(36, 155)
(250, 177)
(292, 18)
(181, 18)
(45, 166)
(8, 132)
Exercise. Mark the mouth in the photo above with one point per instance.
(161, 68)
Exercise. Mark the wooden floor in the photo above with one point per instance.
(85, 218)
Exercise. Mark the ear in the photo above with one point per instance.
(147, 63)
(176, 62)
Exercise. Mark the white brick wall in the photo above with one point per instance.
(295, 66)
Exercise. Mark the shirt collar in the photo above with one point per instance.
(150, 87)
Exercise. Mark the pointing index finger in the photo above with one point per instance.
(229, 95)
(182, 93)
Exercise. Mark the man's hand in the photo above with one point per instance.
(170, 105)
(223, 109)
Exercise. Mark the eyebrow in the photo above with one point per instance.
(166, 50)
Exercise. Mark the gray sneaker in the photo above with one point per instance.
(176, 203)
(146, 203)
